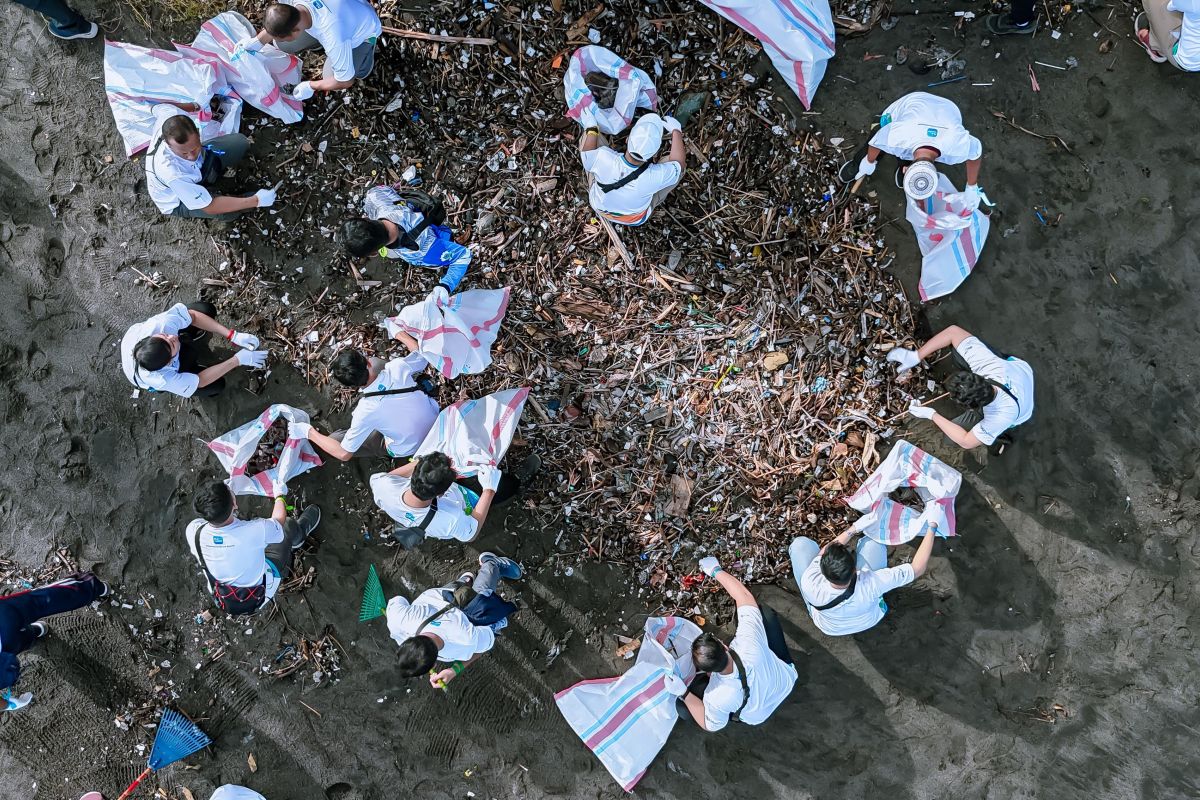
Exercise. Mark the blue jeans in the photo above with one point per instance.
(871, 555)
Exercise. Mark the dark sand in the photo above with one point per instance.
(1071, 585)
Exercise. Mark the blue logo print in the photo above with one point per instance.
(218, 540)
(931, 132)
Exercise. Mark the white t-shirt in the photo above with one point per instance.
(1187, 49)
(770, 679)
(235, 554)
(863, 609)
(450, 521)
(633, 199)
(403, 419)
(1016, 375)
(340, 26)
(921, 119)
(462, 639)
(231, 792)
(172, 180)
(169, 378)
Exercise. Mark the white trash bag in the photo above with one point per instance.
(235, 449)
(636, 89)
(456, 338)
(950, 237)
(475, 433)
(892, 523)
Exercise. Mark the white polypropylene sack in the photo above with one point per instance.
(950, 238)
(235, 449)
(138, 78)
(625, 721)
(455, 338)
(258, 77)
(797, 35)
(636, 89)
(889, 522)
(475, 433)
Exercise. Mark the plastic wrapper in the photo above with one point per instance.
(635, 90)
(236, 449)
(457, 337)
(891, 523)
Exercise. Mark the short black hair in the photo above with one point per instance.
(363, 237)
(417, 656)
(351, 368)
(214, 502)
(179, 129)
(709, 654)
(838, 563)
(970, 390)
(152, 353)
(433, 476)
(281, 19)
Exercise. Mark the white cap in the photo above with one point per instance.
(920, 180)
(646, 137)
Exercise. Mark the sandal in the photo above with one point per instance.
(1143, 37)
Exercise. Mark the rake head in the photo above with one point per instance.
(374, 604)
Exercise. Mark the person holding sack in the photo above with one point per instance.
(244, 561)
(626, 188)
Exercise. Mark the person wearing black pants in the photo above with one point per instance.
(64, 21)
(1021, 19)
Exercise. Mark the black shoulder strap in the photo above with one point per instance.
(434, 616)
(200, 555)
(612, 187)
(841, 598)
(1004, 389)
(429, 515)
(392, 391)
(741, 669)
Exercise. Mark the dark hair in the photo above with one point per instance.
(708, 654)
(213, 502)
(281, 19)
(363, 237)
(351, 368)
(838, 563)
(152, 353)
(417, 656)
(179, 129)
(433, 475)
(971, 390)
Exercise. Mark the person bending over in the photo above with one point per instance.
(626, 188)
(426, 498)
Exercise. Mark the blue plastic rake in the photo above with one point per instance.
(177, 738)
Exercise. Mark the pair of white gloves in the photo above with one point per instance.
(905, 360)
(249, 355)
(969, 198)
(251, 44)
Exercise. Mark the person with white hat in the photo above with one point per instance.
(922, 128)
(626, 187)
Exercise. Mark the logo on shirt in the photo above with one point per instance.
(218, 540)
(931, 132)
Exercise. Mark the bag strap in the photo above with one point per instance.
(841, 598)
(213, 582)
(637, 173)
(429, 515)
(435, 615)
(1004, 389)
(392, 391)
(741, 668)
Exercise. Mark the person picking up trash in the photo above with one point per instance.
(1172, 32)
(407, 224)
(455, 624)
(244, 561)
(843, 590)
(996, 389)
(746, 679)
(345, 29)
(161, 354)
(626, 188)
(924, 129)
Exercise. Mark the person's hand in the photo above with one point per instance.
(670, 125)
(252, 358)
(710, 566)
(250, 44)
(299, 430)
(440, 295)
(674, 685)
(921, 412)
(266, 198)
(489, 477)
(246, 340)
(438, 680)
(971, 197)
(903, 358)
(303, 90)
(865, 168)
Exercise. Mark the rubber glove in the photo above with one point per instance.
(670, 125)
(710, 566)
(904, 358)
(250, 44)
(299, 430)
(489, 477)
(266, 198)
(252, 358)
(674, 685)
(440, 295)
(972, 196)
(866, 168)
(921, 412)
(303, 90)
(246, 340)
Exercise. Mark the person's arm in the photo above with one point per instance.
(480, 512)
(952, 336)
(217, 371)
(920, 561)
(279, 512)
(873, 153)
(407, 470)
(330, 445)
(225, 204)
(191, 108)
(440, 679)
(330, 84)
(590, 140)
(206, 323)
(696, 707)
(842, 538)
(973, 171)
(732, 586)
(678, 154)
(955, 432)
(407, 340)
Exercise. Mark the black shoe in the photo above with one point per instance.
(527, 468)
(900, 175)
(40, 630)
(105, 591)
(1002, 25)
(308, 521)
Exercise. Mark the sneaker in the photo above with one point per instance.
(308, 521)
(527, 468)
(509, 569)
(105, 591)
(40, 629)
(466, 578)
(1002, 25)
(1143, 37)
(73, 32)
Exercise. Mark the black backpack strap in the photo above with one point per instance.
(435, 615)
(741, 669)
(637, 173)
(841, 598)
(393, 391)
(429, 515)
(213, 583)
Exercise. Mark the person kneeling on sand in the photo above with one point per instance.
(997, 390)
(160, 354)
(244, 561)
(843, 590)
(626, 188)
(393, 414)
(746, 679)
(1173, 33)
(447, 624)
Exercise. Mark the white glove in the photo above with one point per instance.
(489, 477)
(866, 168)
(670, 125)
(675, 685)
(299, 430)
(970, 198)
(904, 358)
(440, 295)
(266, 198)
(246, 340)
(252, 358)
(710, 566)
(303, 90)
(921, 412)
(250, 44)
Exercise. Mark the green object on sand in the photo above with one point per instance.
(690, 105)
(374, 604)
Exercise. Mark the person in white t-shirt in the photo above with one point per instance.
(345, 29)
(393, 414)
(443, 625)
(746, 679)
(180, 171)
(244, 561)
(997, 391)
(922, 128)
(162, 353)
(231, 792)
(626, 188)
(843, 590)
(1173, 32)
